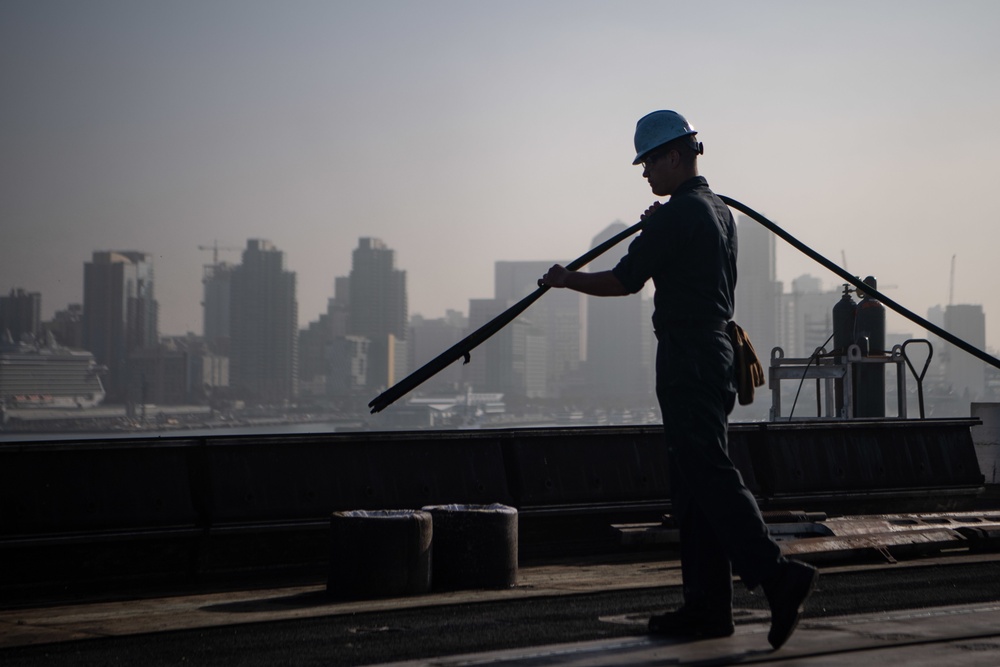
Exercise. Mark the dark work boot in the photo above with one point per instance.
(785, 594)
(686, 624)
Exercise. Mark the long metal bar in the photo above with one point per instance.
(867, 289)
(462, 348)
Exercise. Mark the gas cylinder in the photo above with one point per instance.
(844, 312)
(869, 335)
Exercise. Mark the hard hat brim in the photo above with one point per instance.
(639, 158)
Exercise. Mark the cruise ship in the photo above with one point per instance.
(48, 375)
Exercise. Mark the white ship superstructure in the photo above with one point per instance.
(48, 376)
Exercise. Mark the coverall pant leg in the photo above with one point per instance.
(721, 528)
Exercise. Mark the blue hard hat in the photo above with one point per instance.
(657, 128)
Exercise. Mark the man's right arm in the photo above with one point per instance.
(601, 283)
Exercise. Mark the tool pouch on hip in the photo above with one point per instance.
(747, 370)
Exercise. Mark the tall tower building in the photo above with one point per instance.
(477, 373)
(67, 326)
(427, 338)
(339, 307)
(216, 282)
(964, 373)
(119, 315)
(378, 310)
(514, 360)
(758, 292)
(319, 341)
(20, 314)
(559, 316)
(348, 354)
(263, 326)
(807, 317)
(619, 357)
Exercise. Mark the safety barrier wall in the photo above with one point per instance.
(576, 466)
(913, 460)
(281, 478)
(91, 486)
(137, 483)
(214, 500)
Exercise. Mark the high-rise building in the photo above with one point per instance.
(512, 361)
(378, 310)
(20, 314)
(758, 292)
(349, 366)
(164, 373)
(620, 358)
(316, 348)
(216, 282)
(67, 326)
(475, 371)
(963, 372)
(263, 326)
(807, 318)
(346, 358)
(559, 315)
(428, 338)
(339, 307)
(314, 361)
(119, 315)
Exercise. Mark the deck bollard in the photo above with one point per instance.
(475, 546)
(379, 553)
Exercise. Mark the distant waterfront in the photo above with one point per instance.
(187, 422)
(275, 429)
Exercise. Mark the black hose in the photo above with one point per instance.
(812, 357)
(863, 287)
(464, 347)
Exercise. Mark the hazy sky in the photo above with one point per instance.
(462, 133)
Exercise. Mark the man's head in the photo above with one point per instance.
(666, 147)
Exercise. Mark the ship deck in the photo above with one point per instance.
(941, 609)
(213, 550)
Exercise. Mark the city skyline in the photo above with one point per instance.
(537, 357)
(469, 133)
(896, 324)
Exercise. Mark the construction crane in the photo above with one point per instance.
(215, 248)
(843, 260)
(951, 283)
(209, 270)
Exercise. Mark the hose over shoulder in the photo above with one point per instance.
(854, 280)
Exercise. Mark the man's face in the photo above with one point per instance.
(659, 168)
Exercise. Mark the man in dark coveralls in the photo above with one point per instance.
(688, 247)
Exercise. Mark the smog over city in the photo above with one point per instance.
(461, 135)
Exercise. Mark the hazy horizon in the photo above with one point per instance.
(463, 134)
